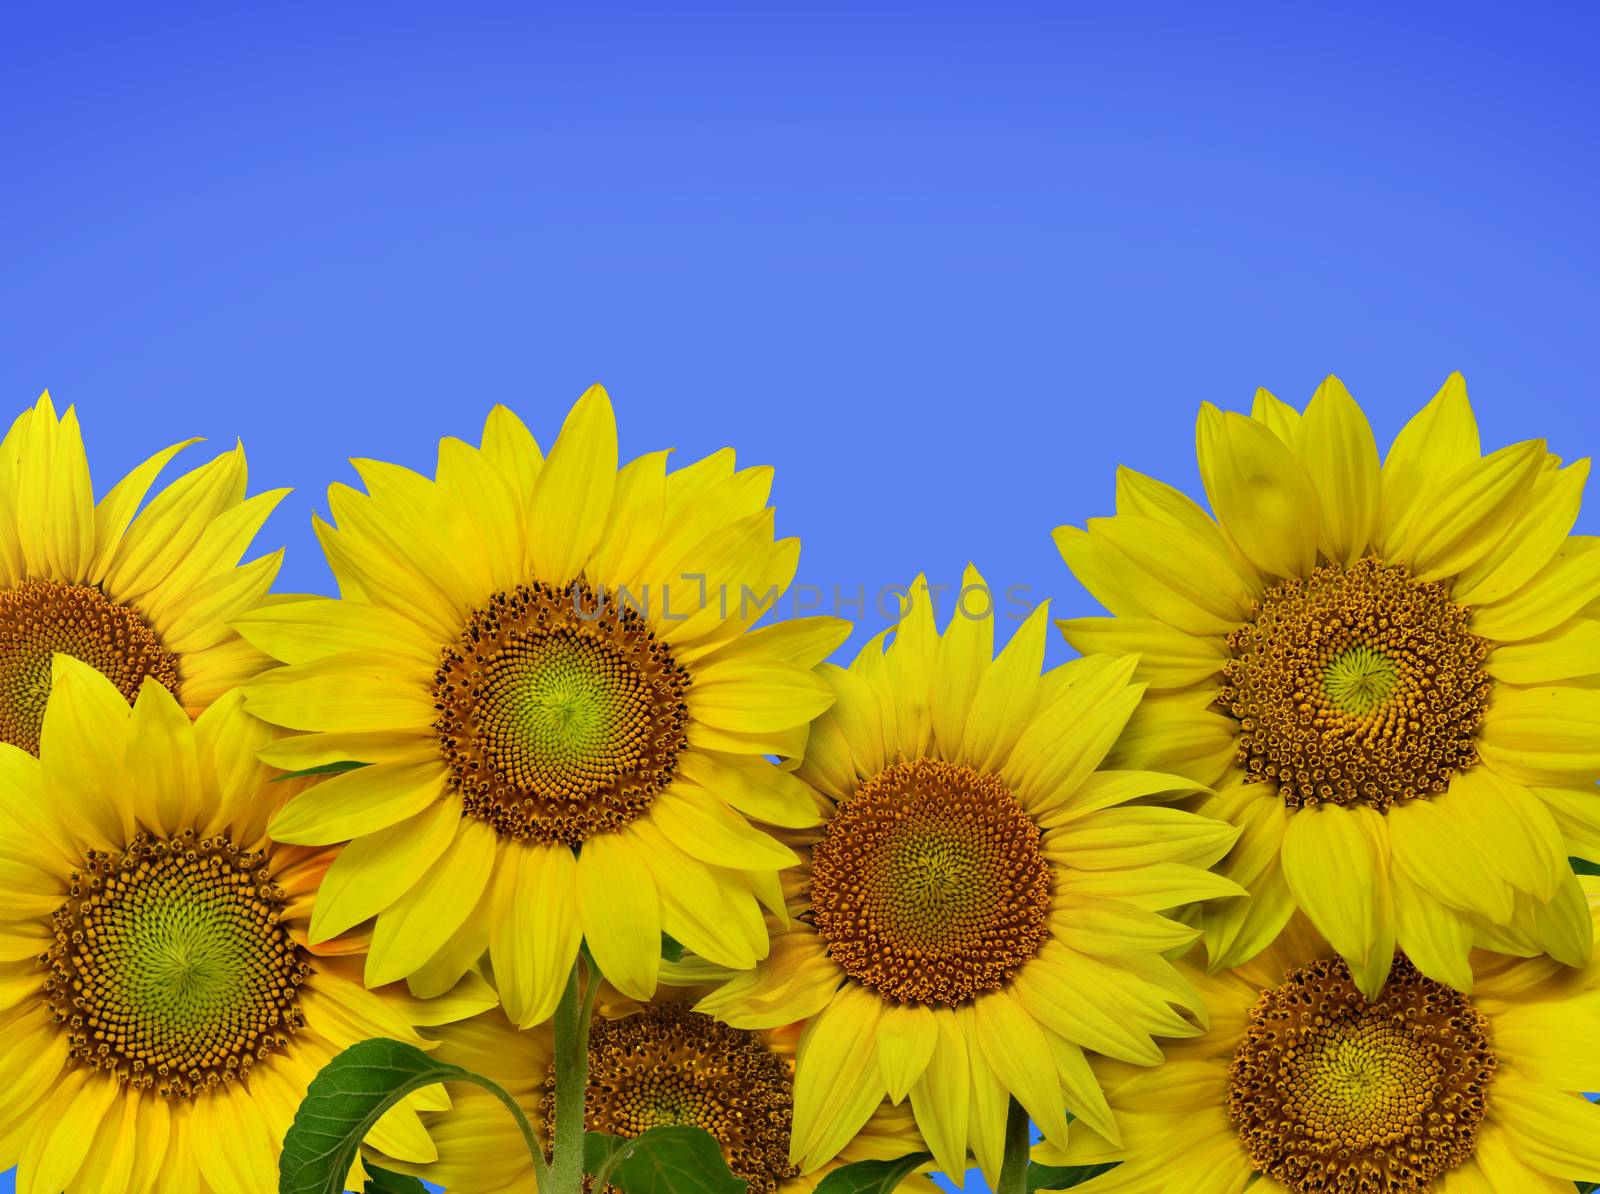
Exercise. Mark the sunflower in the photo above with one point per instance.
(1387, 673)
(980, 903)
(161, 1014)
(649, 1065)
(136, 597)
(1303, 1084)
(549, 669)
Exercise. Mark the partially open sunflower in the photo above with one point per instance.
(549, 669)
(1387, 671)
(1305, 1086)
(650, 1065)
(982, 902)
(136, 593)
(161, 1011)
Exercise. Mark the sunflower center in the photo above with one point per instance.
(670, 1065)
(39, 618)
(1356, 685)
(172, 967)
(1332, 1093)
(930, 884)
(560, 714)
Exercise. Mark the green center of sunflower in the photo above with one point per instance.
(172, 967)
(39, 618)
(1332, 1093)
(560, 714)
(669, 1065)
(1356, 685)
(930, 884)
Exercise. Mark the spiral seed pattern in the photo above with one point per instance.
(1335, 1095)
(39, 618)
(172, 968)
(560, 714)
(670, 1065)
(1356, 685)
(930, 884)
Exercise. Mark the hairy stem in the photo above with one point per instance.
(1014, 1169)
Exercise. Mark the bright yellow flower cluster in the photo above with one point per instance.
(1269, 890)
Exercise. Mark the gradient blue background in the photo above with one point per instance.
(943, 266)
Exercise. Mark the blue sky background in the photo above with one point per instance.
(944, 266)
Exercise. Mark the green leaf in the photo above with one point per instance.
(671, 951)
(675, 1159)
(1061, 1177)
(350, 1095)
(872, 1177)
(381, 1181)
(1584, 867)
(325, 769)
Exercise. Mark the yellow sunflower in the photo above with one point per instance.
(981, 902)
(548, 666)
(161, 1014)
(136, 597)
(649, 1065)
(1304, 1085)
(1386, 671)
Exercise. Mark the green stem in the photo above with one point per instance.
(571, 1027)
(1014, 1169)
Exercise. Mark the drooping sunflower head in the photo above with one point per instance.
(1382, 669)
(552, 671)
(650, 1065)
(159, 985)
(137, 598)
(1304, 1084)
(982, 901)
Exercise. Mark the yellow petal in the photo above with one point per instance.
(621, 913)
(1532, 541)
(72, 1116)
(421, 922)
(1569, 651)
(55, 501)
(1554, 1131)
(961, 658)
(1565, 585)
(357, 693)
(492, 504)
(376, 869)
(1334, 444)
(1179, 577)
(1470, 512)
(312, 629)
(1511, 826)
(634, 524)
(162, 768)
(1016, 1049)
(82, 745)
(535, 932)
(1065, 742)
(572, 494)
(115, 511)
(754, 786)
(1121, 837)
(837, 1086)
(359, 802)
(1436, 938)
(1543, 735)
(1436, 855)
(710, 910)
(1440, 439)
(167, 530)
(507, 441)
(756, 695)
(939, 1097)
(701, 825)
(1280, 418)
(1005, 695)
(1168, 657)
(1261, 495)
(1336, 862)
(904, 1043)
